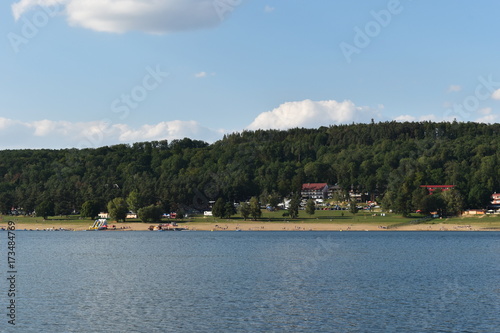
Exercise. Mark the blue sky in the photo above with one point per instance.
(89, 73)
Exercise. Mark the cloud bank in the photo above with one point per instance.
(313, 114)
(427, 117)
(16, 134)
(151, 16)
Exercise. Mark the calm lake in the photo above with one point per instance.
(254, 282)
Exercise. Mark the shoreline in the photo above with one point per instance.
(258, 226)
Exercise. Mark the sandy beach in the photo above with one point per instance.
(301, 226)
(257, 226)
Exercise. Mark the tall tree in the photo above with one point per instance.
(151, 213)
(135, 201)
(433, 203)
(244, 210)
(403, 203)
(218, 210)
(118, 209)
(229, 210)
(418, 196)
(310, 207)
(353, 207)
(293, 209)
(255, 211)
(90, 209)
(6, 197)
(479, 196)
(45, 209)
(454, 201)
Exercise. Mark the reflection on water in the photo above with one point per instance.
(257, 282)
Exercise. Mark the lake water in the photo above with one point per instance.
(254, 282)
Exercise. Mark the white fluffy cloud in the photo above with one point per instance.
(487, 116)
(22, 6)
(312, 114)
(409, 118)
(485, 111)
(151, 16)
(63, 134)
(169, 130)
(268, 9)
(405, 118)
(489, 119)
(496, 94)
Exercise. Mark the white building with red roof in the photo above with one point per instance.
(314, 191)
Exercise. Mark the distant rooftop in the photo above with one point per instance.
(432, 188)
(313, 186)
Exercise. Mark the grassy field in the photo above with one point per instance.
(324, 217)
(320, 216)
(336, 217)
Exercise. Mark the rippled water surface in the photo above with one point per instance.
(255, 282)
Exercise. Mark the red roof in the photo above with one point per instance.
(313, 186)
(438, 186)
(432, 188)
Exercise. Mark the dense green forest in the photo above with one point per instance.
(389, 159)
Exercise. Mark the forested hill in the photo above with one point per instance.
(391, 159)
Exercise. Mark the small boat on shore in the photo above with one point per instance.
(166, 227)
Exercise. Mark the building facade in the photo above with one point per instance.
(314, 191)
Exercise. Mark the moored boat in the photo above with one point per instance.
(166, 227)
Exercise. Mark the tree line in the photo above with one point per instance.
(389, 160)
